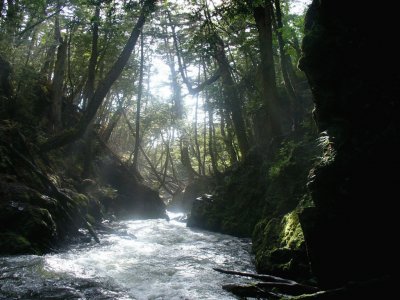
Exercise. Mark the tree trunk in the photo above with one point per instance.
(138, 106)
(185, 159)
(289, 76)
(112, 123)
(204, 141)
(272, 124)
(228, 140)
(12, 21)
(232, 99)
(177, 97)
(58, 79)
(89, 86)
(7, 104)
(196, 137)
(182, 68)
(167, 157)
(174, 173)
(1, 8)
(211, 139)
(176, 89)
(104, 86)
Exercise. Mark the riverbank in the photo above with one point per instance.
(46, 200)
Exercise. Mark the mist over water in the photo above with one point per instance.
(144, 259)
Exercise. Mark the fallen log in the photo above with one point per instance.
(281, 286)
(262, 277)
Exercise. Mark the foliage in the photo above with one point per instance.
(258, 190)
(280, 248)
(29, 42)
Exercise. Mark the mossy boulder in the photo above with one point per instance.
(200, 215)
(259, 187)
(236, 200)
(279, 247)
(86, 205)
(25, 220)
(33, 222)
(12, 243)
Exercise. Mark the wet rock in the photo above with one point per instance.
(12, 243)
(25, 220)
(133, 199)
(356, 91)
(183, 201)
(200, 215)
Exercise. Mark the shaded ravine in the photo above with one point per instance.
(146, 259)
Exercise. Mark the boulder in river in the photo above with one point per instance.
(183, 200)
(133, 198)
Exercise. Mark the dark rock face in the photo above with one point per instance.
(134, 199)
(42, 206)
(236, 201)
(257, 191)
(26, 224)
(355, 81)
(183, 201)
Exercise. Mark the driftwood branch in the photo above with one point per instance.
(376, 288)
(262, 277)
(280, 286)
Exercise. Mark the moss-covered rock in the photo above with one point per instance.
(43, 200)
(279, 247)
(259, 187)
(12, 243)
(236, 201)
(36, 213)
(25, 221)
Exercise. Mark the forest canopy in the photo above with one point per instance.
(178, 89)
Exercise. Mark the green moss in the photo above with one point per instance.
(291, 234)
(38, 225)
(55, 179)
(279, 247)
(12, 243)
(108, 191)
(283, 160)
(81, 199)
(261, 188)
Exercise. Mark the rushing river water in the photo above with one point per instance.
(150, 259)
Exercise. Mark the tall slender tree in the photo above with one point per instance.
(139, 104)
(271, 114)
(103, 87)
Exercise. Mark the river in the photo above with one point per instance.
(142, 259)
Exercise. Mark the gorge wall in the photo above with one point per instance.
(349, 61)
